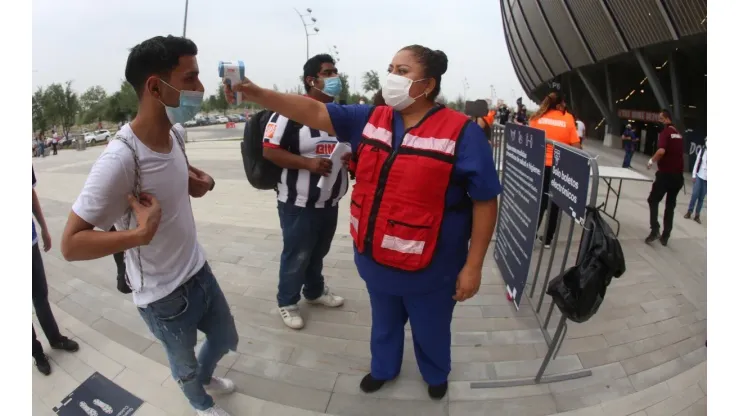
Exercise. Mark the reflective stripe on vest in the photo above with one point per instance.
(398, 201)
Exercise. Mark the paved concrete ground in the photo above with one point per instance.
(645, 346)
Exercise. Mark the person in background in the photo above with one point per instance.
(42, 145)
(54, 141)
(40, 292)
(560, 126)
(581, 129)
(628, 140)
(699, 176)
(308, 215)
(668, 179)
(490, 118)
(423, 208)
(521, 113)
(484, 124)
(503, 114)
(175, 290)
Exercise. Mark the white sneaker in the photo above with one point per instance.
(291, 316)
(216, 410)
(541, 241)
(327, 299)
(219, 386)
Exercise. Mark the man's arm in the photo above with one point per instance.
(199, 182)
(277, 135)
(80, 241)
(37, 212)
(285, 159)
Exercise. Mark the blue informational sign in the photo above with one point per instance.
(524, 167)
(569, 181)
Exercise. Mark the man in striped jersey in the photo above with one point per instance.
(308, 214)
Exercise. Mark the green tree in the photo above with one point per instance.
(93, 103)
(62, 105)
(344, 95)
(122, 105)
(220, 102)
(370, 81)
(355, 98)
(38, 110)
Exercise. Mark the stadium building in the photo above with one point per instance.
(617, 61)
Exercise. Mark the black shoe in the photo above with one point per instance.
(652, 237)
(42, 364)
(369, 384)
(664, 239)
(121, 284)
(65, 344)
(688, 215)
(438, 392)
(697, 219)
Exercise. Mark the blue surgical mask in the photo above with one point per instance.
(190, 103)
(332, 86)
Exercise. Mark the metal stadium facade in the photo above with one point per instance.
(617, 61)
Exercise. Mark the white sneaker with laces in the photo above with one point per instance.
(291, 316)
(327, 299)
(219, 386)
(216, 410)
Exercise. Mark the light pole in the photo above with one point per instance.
(306, 25)
(493, 96)
(185, 21)
(334, 52)
(465, 88)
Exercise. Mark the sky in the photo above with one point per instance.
(87, 41)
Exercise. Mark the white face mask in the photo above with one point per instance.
(396, 91)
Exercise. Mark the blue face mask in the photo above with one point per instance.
(190, 103)
(332, 86)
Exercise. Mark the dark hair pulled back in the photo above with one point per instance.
(434, 63)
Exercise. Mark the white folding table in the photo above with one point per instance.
(613, 173)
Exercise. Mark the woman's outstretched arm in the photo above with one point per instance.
(303, 110)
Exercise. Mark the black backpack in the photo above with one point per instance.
(261, 173)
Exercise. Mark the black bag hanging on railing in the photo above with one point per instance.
(579, 291)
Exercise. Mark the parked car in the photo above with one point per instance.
(233, 118)
(201, 121)
(190, 123)
(222, 119)
(242, 118)
(213, 120)
(97, 136)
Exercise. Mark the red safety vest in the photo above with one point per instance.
(399, 198)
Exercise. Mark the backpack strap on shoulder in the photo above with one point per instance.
(129, 212)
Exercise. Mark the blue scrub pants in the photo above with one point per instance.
(431, 318)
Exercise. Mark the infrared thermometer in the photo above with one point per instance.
(233, 73)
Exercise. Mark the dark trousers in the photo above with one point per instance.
(550, 233)
(627, 162)
(54, 147)
(40, 296)
(307, 237)
(665, 185)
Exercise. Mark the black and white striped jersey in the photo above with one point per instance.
(298, 186)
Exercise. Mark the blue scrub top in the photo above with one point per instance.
(474, 173)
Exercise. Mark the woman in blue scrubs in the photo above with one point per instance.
(428, 296)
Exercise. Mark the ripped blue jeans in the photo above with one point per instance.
(198, 304)
(307, 236)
